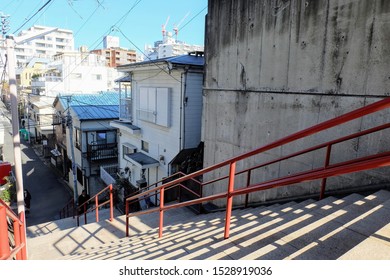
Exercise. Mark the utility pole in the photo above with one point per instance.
(70, 126)
(10, 43)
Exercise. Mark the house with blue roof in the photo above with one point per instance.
(94, 141)
(160, 119)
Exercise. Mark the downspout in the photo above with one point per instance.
(181, 111)
(182, 108)
(185, 105)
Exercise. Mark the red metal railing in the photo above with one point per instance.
(10, 222)
(70, 208)
(328, 170)
(108, 199)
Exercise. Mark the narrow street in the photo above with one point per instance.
(49, 193)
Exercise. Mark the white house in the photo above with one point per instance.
(160, 118)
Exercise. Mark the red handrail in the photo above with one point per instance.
(19, 250)
(95, 199)
(360, 164)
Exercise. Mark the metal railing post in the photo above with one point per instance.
(17, 238)
(160, 231)
(111, 203)
(23, 235)
(229, 201)
(327, 161)
(97, 208)
(127, 217)
(248, 182)
(85, 214)
(4, 246)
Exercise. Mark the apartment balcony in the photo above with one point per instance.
(102, 151)
(125, 109)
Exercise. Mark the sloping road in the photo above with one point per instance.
(49, 193)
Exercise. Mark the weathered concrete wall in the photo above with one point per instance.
(278, 66)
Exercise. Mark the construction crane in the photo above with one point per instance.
(176, 27)
(163, 30)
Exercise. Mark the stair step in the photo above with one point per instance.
(328, 229)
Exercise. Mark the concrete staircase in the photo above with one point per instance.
(354, 227)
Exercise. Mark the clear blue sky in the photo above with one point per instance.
(139, 21)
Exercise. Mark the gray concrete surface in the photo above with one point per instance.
(354, 227)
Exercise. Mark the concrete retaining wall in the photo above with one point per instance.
(275, 67)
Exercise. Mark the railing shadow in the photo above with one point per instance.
(326, 229)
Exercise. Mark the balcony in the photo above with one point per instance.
(125, 110)
(102, 151)
(108, 173)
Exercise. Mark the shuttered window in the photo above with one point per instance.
(154, 105)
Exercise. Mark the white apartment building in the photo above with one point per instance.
(169, 47)
(45, 46)
(77, 72)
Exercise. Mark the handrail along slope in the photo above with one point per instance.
(328, 170)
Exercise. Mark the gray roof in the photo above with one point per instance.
(123, 79)
(142, 160)
(192, 59)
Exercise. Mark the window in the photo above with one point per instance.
(78, 139)
(101, 138)
(104, 137)
(80, 176)
(144, 146)
(148, 109)
(76, 76)
(96, 77)
(128, 149)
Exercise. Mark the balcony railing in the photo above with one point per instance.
(108, 173)
(102, 151)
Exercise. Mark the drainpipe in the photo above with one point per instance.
(181, 111)
(182, 108)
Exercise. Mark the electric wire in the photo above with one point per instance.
(31, 17)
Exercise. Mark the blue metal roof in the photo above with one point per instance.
(99, 112)
(103, 105)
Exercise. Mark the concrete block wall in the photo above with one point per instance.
(275, 67)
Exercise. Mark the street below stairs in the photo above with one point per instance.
(49, 192)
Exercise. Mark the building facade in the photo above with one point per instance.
(93, 141)
(169, 47)
(45, 46)
(75, 72)
(117, 56)
(160, 118)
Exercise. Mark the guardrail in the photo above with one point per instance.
(12, 225)
(108, 199)
(70, 208)
(328, 170)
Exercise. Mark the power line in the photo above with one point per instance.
(155, 63)
(193, 18)
(40, 9)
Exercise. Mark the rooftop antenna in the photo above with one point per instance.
(176, 28)
(163, 30)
